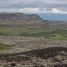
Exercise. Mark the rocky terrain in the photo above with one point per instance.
(49, 57)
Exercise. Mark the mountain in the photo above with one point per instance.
(19, 16)
(22, 20)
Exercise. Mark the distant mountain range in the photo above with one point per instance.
(40, 17)
(19, 16)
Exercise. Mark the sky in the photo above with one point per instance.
(34, 6)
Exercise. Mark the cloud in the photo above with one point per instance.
(30, 3)
(34, 10)
(31, 10)
(33, 6)
(54, 10)
(23, 10)
(43, 10)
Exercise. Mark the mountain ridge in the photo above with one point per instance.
(19, 16)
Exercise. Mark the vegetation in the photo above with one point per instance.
(60, 34)
(5, 46)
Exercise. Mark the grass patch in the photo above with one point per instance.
(58, 34)
(52, 34)
(22, 32)
(5, 46)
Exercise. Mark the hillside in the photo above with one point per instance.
(48, 57)
(28, 40)
(29, 31)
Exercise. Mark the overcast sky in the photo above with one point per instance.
(34, 6)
